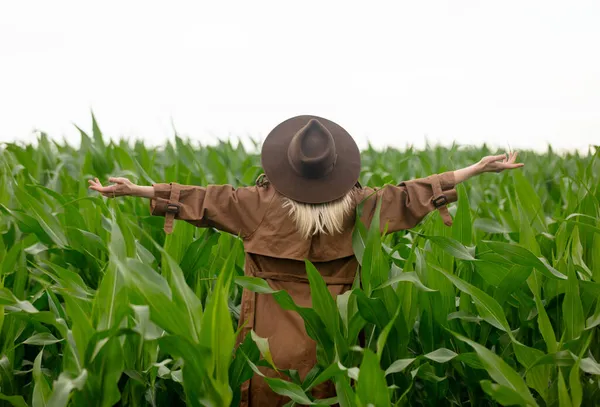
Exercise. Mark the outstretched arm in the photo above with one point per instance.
(235, 210)
(406, 204)
(492, 163)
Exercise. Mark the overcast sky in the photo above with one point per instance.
(518, 73)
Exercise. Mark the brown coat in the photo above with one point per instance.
(275, 251)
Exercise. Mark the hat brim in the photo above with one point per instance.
(289, 183)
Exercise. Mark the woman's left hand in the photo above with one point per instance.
(498, 163)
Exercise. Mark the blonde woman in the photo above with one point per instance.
(303, 207)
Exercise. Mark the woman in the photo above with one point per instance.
(303, 207)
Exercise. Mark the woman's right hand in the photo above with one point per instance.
(120, 187)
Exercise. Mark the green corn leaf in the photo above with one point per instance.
(346, 396)
(217, 331)
(575, 384)
(255, 284)
(41, 388)
(572, 307)
(400, 276)
(263, 347)
(561, 358)
(490, 226)
(64, 386)
(385, 332)
(530, 201)
(42, 338)
(399, 365)
(594, 320)
(500, 371)
(183, 296)
(332, 371)
(441, 355)
(371, 388)
(285, 388)
(8, 298)
(462, 315)
(374, 269)
(12, 258)
(372, 309)
(201, 387)
(470, 359)
(544, 324)
(144, 326)
(426, 372)
(240, 371)
(577, 252)
(343, 304)
(563, 395)
(451, 246)
(518, 255)
(462, 228)
(590, 366)
(16, 401)
(503, 394)
(536, 377)
(322, 300)
(154, 291)
(488, 308)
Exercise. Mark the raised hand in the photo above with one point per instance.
(499, 163)
(492, 163)
(120, 187)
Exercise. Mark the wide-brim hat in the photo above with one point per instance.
(311, 159)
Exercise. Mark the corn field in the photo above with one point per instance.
(98, 307)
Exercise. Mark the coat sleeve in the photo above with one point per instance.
(404, 205)
(236, 211)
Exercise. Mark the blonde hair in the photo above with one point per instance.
(326, 218)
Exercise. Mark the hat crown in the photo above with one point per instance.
(311, 159)
(311, 152)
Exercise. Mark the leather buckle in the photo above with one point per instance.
(440, 201)
(172, 208)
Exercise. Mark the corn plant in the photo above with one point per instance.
(100, 308)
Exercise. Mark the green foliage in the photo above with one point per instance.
(98, 307)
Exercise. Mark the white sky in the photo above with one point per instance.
(524, 73)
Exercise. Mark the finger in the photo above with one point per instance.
(95, 182)
(509, 166)
(498, 157)
(124, 180)
(118, 180)
(109, 193)
(514, 157)
(107, 189)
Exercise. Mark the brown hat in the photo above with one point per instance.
(311, 159)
